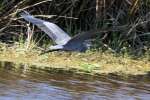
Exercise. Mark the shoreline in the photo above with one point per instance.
(89, 62)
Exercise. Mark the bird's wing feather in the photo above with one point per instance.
(92, 33)
(80, 38)
(51, 29)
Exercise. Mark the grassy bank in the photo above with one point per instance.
(92, 62)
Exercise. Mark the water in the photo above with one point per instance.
(21, 84)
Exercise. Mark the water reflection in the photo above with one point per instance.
(28, 84)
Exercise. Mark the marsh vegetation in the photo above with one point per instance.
(124, 46)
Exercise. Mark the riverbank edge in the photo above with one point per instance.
(89, 62)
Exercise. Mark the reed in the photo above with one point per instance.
(81, 15)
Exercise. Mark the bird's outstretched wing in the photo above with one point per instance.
(51, 29)
(80, 38)
(92, 33)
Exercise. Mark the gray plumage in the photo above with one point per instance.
(61, 38)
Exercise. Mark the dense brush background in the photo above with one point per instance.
(74, 16)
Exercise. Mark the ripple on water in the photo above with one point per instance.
(39, 85)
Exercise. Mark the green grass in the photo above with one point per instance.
(93, 62)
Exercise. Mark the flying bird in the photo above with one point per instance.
(62, 40)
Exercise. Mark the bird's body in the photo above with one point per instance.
(62, 39)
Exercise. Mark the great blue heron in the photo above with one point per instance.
(62, 39)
